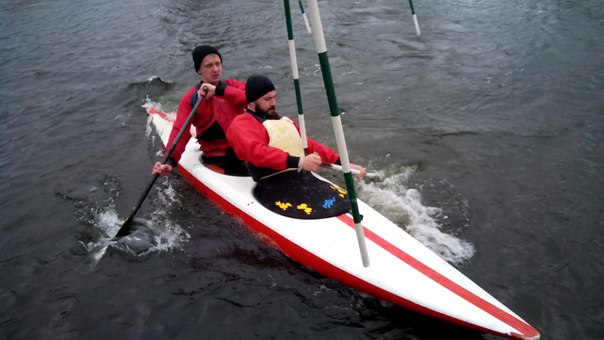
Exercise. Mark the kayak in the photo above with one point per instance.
(402, 270)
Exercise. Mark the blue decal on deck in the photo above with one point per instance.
(329, 203)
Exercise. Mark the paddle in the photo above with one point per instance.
(353, 171)
(126, 228)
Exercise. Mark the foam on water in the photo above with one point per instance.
(108, 221)
(168, 235)
(403, 206)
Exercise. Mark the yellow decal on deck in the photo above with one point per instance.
(340, 191)
(283, 206)
(305, 207)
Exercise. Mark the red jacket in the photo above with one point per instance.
(250, 139)
(228, 102)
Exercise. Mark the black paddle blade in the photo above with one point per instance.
(126, 228)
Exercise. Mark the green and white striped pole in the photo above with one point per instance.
(294, 64)
(414, 17)
(304, 17)
(336, 121)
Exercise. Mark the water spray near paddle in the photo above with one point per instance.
(136, 235)
(128, 226)
(96, 213)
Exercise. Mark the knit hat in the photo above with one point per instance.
(257, 86)
(201, 52)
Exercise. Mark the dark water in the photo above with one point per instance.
(488, 127)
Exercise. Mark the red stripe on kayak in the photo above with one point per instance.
(523, 327)
(152, 110)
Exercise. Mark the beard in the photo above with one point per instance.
(270, 113)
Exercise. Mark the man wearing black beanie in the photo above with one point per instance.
(222, 101)
(272, 148)
(201, 52)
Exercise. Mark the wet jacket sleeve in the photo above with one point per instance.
(233, 91)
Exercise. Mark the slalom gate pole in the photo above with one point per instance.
(294, 64)
(415, 23)
(304, 17)
(336, 121)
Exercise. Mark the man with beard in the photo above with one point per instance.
(272, 148)
(222, 101)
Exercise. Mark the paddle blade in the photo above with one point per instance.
(126, 228)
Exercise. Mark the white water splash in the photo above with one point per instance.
(148, 103)
(404, 207)
(168, 235)
(151, 235)
(109, 221)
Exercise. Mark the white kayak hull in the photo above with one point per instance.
(402, 270)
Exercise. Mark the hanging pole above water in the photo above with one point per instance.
(336, 121)
(415, 23)
(294, 64)
(304, 17)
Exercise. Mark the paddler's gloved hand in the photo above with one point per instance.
(161, 169)
(310, 162)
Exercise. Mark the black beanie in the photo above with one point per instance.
(257, 86)
(201, 52)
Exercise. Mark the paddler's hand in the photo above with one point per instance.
(162, 169)
(310, 162)
(206, 90)
(362, 170)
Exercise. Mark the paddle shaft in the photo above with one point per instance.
(127, 226)
(353, 171)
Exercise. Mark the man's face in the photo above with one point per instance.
(211, 69)
(267, 103)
